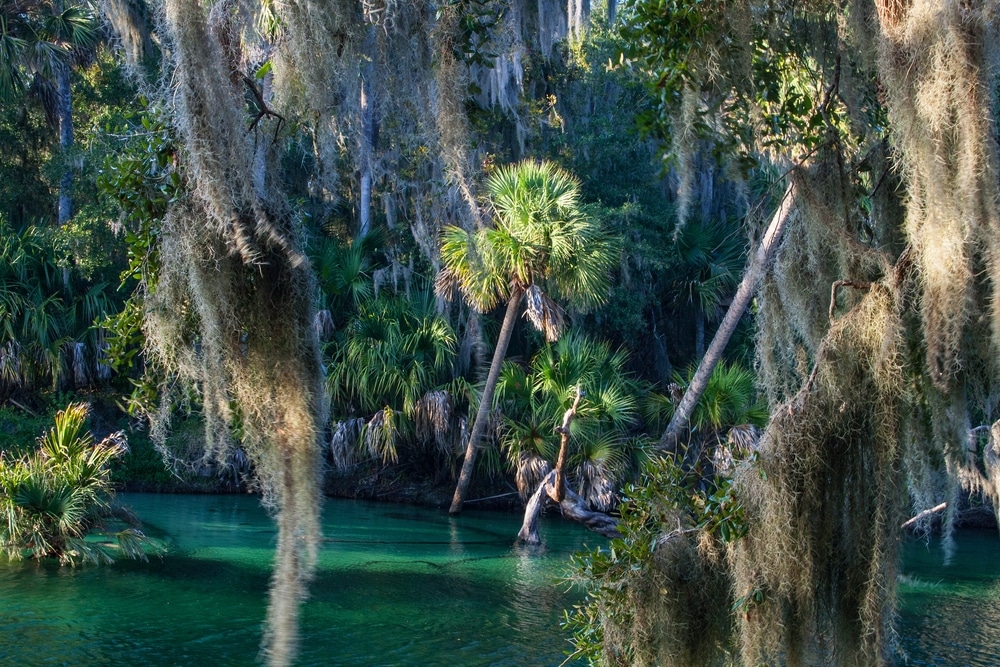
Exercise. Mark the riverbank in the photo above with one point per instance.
(407, 482)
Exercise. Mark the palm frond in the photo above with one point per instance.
(380, 435)
(344, 442)
(547, 316)
(73, 28)
(78, 550)
(12, 49)
(530, 470)
(468, 259)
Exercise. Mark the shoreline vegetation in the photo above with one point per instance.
(142, 470)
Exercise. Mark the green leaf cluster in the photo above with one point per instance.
(52, 497)
(540, 237)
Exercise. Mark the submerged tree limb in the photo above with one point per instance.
(744, 293)
(572, 506)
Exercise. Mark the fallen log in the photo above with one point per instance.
(925, 513)
(572, 506)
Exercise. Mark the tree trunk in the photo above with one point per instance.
(699, 333)
(572, 506)
(367, 137)
(65, 113)
(612, 12)
(482, 415)
(560, 478)
(744, 294)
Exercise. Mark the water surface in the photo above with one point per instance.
(395, 586)
(950, 614)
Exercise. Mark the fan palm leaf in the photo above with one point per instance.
(536, 245)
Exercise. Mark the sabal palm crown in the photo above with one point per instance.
(541, 243)
(541, 247)
(35, 37)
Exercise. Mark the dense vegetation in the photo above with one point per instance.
(51, 498)
(314, 214)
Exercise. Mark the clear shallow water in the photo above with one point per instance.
(395, 586)
(950, 615)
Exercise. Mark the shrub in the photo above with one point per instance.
(52, 497)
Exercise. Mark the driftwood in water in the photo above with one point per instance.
(553, 487)
(572, 506)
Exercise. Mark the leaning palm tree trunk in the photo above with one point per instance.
(741, 300)
(482, 415)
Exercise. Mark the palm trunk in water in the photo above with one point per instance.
(482, 415)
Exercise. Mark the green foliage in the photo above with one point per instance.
(477, 20)
(730, 399)
(540, 238)
(141, 179)
(345, 272)
(36, 38)
(18, 429)
(52, 497)
(757, 74)
(142, 468)
(391, 379)
(47, 331)
(392, 352)
(672, 521)
(603, 437)
(712, 258)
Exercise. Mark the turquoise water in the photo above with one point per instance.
(396, 586)
(950, 615)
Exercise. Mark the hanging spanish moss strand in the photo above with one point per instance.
(939, 64)
(940, 101)
(232, 261)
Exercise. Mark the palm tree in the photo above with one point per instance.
(534, 401)
(37, 43)
(541, 247)
(51, 498)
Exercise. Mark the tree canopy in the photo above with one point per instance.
(300, 172)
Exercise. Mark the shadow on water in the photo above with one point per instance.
(949, 614)
(392, 588)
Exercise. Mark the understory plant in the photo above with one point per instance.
(604, 435)
(659, 595)
(392, 380)
(53, 497)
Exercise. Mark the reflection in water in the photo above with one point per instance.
(395, 586)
